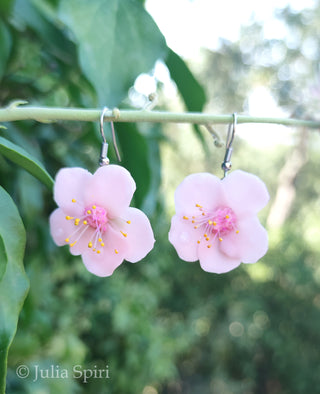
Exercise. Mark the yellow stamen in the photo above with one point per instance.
(116, 251)
(98, 251)
(237, 232)
(94, 249)
(100, 240)
(227, 217)
(69, 217)
(73, 243)
(76, 222)
(193, 217)
(73, 200)
(203, 213)
(208, 246)
(195, 227)
(128, 221)
(193, 221)
(90, 245)
(210, 222)
(94, 207)
(67, 240)
(214, 223)
(207, 239)
(220, 239)
(185, 218)
(85, 222)
(198, 206)
(124, 234)
(88, 212)
(102, 244)
(205, 235)
(198, 242)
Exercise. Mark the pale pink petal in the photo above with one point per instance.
(111, 187)
(245, 193)
(62, 229)
(139, 235)
(84, 235)
(213, 260)
(203, 189)
(110, 257)
(250, 244)
(70, 184)
(184, 238)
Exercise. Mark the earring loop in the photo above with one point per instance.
(103, 160)
(226, 165)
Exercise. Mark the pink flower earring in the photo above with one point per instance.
(216, 219)
(94, 218)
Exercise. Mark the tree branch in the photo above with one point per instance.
(16, 112)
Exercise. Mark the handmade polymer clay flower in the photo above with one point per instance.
(216, 220)
(95, 220)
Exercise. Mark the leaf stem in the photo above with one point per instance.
(53, 114)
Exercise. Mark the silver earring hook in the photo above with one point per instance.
(226, 165)
(103, 160)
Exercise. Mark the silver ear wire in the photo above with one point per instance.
(104, 160)
(226, 165)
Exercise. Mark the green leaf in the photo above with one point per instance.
(5, 47)
(135, 158)
(26, 161)
(191, 91)
(14, 284)
(3, 258)
(117, 40)
(5, 7)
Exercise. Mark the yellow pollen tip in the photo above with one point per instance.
(67, 240)
(102, 244)
(207, 239)
(198, 242)
(124, 234)
(237, 232)
(73, 200)
(195, 227)
(208, 246)
(76, 222)
(198, 206)
(85, 222)
(90, 245)
(210, 222)
(128, 221)
(116, 251)
(94, 207)
(98, 251)
(214, 223)
(205, 235)
(88, 212)
(227, 217)
(220, 239)
(193, 221)
(68, 217)
(100, 240)
(185, 218)
(73, 243)
(203, 213)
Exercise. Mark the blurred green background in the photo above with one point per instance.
(163, 325)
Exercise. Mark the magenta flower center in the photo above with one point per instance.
(214, 224)
(96, 217)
